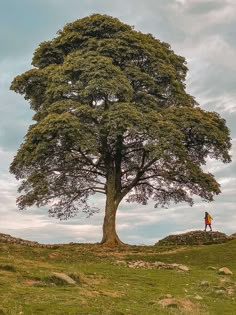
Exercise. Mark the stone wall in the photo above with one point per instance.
(190, 238)
(5, 238)
(195, 238)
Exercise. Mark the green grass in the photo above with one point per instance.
(28, 285)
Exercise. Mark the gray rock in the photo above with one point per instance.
(225, 271)
(198, 297)
(64, 277)
(211, 268)
(156, 264)
(183, 268)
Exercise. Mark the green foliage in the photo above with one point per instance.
(112, 116)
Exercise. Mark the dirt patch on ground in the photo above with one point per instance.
(89, 293)
(111, 293)
(174, 251)
(95, 293)
(187, 306)
(184, 305)
(92, 279)
(121, 254)
(31, 282)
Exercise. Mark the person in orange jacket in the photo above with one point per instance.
(208, 219)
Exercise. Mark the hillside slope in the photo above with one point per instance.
(91, 279)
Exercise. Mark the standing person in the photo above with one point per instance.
(208, 219)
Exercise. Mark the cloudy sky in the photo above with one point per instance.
(203, 31)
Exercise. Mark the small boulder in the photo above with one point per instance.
(198, 297)
(225, 271)
(183, 268)
(211, 268)
(169, 302)
(64, 277)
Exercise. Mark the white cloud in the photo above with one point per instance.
(181, 1)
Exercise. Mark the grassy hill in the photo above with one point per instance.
(110, 281)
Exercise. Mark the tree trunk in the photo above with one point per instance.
(110, 236)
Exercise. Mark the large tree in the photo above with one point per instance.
(112, 116)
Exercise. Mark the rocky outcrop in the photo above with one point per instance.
(195, 238)
(150, 265)
(225, 271)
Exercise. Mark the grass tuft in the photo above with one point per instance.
(8, 268)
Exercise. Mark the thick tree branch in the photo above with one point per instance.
(138, 176)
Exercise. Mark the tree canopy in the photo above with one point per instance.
(112, 116)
